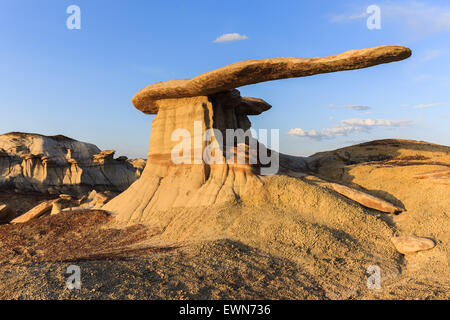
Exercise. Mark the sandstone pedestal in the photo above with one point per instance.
(193, 182)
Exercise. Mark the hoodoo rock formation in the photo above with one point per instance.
(254, 71)
(58, 164)
(203, 109)
(217, 215)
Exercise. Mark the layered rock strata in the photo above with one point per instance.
(57, 164)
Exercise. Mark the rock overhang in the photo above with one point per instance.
(178, 174)
(230, 77)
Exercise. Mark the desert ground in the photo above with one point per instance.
(368, 221)
(294, 238)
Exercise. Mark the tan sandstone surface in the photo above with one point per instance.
(254, 71)
(212, 101)
(396, 170)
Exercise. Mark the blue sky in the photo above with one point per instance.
(80, 82)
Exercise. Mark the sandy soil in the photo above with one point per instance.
(393, 174)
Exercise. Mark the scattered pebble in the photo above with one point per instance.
(411, 244)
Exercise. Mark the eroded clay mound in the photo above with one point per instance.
(331, 238)
(410, 174)
(58, 164)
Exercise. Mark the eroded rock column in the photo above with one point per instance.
(192, 179)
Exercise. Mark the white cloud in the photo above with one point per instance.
(324, 133)
(432, 54)
(358, 16)
(351, 107)
(422, 78)
(421, 17)
(345, 17)
(374, 122)
(423, 106)
(227, 37)
(357, 108)
(347, 127)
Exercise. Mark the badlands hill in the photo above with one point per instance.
(35, 168)
(58, 164)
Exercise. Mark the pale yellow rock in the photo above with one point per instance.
(82, 200)
(36, 212)
(411, 244)
(66, 196)
(101, 199)
(57, 207)
(254, 71)
(95, 200)
(365, 199)
(64, 205)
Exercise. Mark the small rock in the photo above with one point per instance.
(411, 244)
(82, 200)
(57, 207)
(365, 199)
(36, 212)
(92, 195)
(6, 214)
(65, 196)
